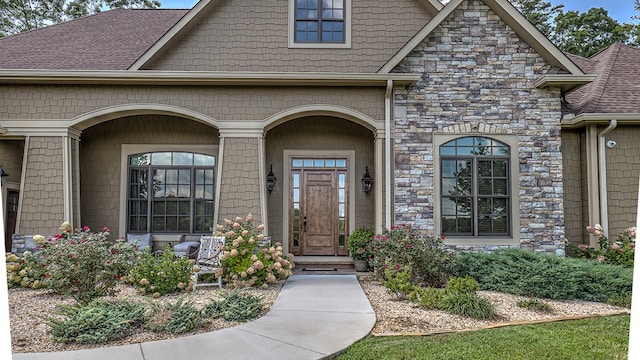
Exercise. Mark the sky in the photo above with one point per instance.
(621, 10)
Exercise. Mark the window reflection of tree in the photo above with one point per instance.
(481, 161)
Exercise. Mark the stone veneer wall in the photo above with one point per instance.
(476, 70)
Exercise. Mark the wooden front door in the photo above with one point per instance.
(319, 213)
(318, 206)
(12, 214)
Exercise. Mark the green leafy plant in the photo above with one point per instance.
(427, 297)
(398, 282)
(430, 261)
(468, 304)
(178, 318)
(359, 243)
(465, 284)
(245, 262)
(620, 300)
(98, 321)
(236, 306)
(81, 264)
(163, 274)
(535, 304)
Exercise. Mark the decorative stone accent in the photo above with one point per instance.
(478, 78)
(22, 243)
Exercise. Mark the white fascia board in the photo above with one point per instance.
(565, 81)
(209, 78)
(419, 37)
(570, 121)
(512, 17)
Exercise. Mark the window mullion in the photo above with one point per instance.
(150, 195)
(474, 195)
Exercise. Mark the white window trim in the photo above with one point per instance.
(514, 239)
(320, 45)
(130, 149)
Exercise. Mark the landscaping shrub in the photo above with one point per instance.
(235, 307)
(430, 261)
(244, 262)
(465, 284)
(468, 304)
(178, 318)
(96, 322)
(427, 297)
(541, 275)
(617, 252)
(81, 264)
(398, 282)
(620, 300)
(163, 274)
(534, 304)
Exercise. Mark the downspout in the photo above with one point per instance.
(387, 153)
(602, 169)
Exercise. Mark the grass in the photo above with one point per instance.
(605, 338)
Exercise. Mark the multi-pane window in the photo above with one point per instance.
(319, 21)
(475, 191)
(170, 192)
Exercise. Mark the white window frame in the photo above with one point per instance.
(320, 45)
(514, 238)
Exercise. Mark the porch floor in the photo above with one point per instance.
(323, 265)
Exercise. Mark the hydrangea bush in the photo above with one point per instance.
(246, 263)
(81, 263)
(617, 252)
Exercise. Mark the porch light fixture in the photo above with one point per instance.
(367, 180)
(3, 175)
(271, 179)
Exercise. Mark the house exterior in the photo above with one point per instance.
(172, 121)
(600, 146)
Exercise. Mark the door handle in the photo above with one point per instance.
(304, 224)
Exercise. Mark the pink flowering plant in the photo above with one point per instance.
(617, 252)
(401, 247)
(81, 263)
(247, 261)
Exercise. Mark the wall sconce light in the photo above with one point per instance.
(271, 179)
(367, 180)
(3, 175)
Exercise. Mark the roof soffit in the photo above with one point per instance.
(512, 17)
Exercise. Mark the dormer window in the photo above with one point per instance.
(319, 23)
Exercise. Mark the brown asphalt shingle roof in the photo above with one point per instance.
(110, 40)
(617, 86)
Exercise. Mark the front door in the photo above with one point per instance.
(318, 213)
(318, 206)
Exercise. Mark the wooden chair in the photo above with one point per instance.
(209, 260)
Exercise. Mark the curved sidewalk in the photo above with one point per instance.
(314, 317)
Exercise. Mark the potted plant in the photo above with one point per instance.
(359, 245)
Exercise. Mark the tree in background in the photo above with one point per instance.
(539, 13)
(583, 34)
(587, 33)
(17, 16)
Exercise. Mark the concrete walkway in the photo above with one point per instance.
(314, 317)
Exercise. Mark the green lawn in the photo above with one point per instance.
(605, 338)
